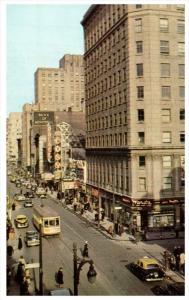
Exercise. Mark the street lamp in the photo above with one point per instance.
(78, 263)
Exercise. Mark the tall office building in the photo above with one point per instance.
(61, 89)
(14, 137)
(134, 74)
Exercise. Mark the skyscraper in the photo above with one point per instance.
(134, 74)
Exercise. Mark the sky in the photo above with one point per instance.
(38, 36)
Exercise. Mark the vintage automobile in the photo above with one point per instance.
(171, 289)
(28, 203)
(29, 194)
(21, 221)
(19, 197)
(40, 191)
(147, 269)
(32, 238)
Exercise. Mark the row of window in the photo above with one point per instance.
(163, 25)
(120, 118)
(115, 175)
(120, 139)
(107, 102)
(103, 20)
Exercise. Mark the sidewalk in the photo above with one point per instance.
(106, 223)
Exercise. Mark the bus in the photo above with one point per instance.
(48, 218)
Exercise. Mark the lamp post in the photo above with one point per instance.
(78, 263)
(40, 263)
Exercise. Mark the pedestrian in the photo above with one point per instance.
(172, 262)
(10, 250)
(182, 262)
(22, 260)
(20, 242)
(85, 250)
(177, 261)
(21, 191)
(24, 287)
(20, 273)
(9, 274)
(102, 215)
(60, 277)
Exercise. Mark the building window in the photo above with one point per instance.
(164, 47)
(181, 91)
(182, 137)
(165, 70)
(182, 114)
(139, 47)
(142, 161)
(140, 92)
(141, 137)
(138, 6)
(138, 25)
(167, 161)
(141, 115)
(180, 26)
(181, 70)
(139, 69)
(181, 50)
(166, 92)
(166, 137)
(166, 115)
(167, 183)
(164, 25)
(180, 6)
(142, 184)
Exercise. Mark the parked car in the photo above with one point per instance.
(28, 203)
(40, 191)
(43, 196)
(29, 194)
(32, 238)
(21, 221)
(147, 269)
(171, 289)
(19, 197)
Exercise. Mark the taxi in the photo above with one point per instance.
(147, 269)
(21, 221)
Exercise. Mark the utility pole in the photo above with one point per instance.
(40, 263)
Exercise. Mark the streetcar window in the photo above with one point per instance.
(57, 222)
(52, 222)
(46, 223)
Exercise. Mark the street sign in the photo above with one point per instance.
(32, 266)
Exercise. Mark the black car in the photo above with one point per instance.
(29, 194)
(147, 269)
(172, 289)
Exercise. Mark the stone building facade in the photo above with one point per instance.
(14, 137)
(134, 76)
(61, 89)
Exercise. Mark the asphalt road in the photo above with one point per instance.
(110, 257)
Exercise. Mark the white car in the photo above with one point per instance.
(40, 191)
(32, 238)
(28, 203)
(19, 197)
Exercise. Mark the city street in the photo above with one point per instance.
(110, 257)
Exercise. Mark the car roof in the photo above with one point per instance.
(21, 216)
(145, 261)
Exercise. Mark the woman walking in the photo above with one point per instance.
(20, 242)
(60, 277)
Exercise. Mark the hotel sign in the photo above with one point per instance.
(42, 117)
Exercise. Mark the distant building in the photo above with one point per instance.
(61, 89)
(134, 62)
(14, 137)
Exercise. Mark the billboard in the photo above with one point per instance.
(43, 117)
